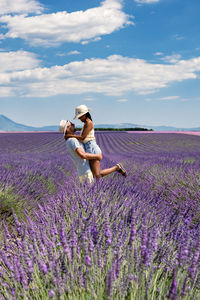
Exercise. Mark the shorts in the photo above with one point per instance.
(87, 177)
(92, 147)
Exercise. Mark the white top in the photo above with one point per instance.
(89, 137)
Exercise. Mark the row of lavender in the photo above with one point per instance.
(134, 238)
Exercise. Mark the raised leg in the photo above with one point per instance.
(108, 171)
(97, 172)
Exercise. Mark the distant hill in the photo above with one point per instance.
(7, 124)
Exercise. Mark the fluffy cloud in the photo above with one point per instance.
(158, 53)
(16, 61)
(114, 76)
(56, 28)
(90, 99)
(122, 100)
(146, 1)
(169, 98)
(178, 37)
(174, 58)
(11, 62)
(75, 52)
(19, 6)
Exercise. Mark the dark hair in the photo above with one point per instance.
(88, 116)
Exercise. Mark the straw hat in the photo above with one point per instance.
(81, 110)
(63, 126)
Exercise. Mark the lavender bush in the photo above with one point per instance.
(133, 238)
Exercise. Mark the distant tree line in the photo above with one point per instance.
(121, 129)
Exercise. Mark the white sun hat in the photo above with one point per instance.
(81, 110)
(63, 126)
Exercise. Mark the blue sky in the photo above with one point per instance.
(131, 61)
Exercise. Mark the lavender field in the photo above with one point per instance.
(121, 238)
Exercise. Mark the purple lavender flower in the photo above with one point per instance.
(87, 260)
(193, 266)
(108, 233)
(173, 289)
(184, 287)
(109, 284)
(51, 294)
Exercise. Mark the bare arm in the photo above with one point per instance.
(89, 156)
(86, 129)
(78, 137)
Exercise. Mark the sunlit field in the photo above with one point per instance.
(120, 238)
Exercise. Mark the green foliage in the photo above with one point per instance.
(189, 160)
(9, 201)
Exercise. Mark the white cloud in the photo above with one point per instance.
(90, 99)
(178, 37)
(171, 58)
(7, 91)
(146, 1)
(184, 99)
(19, 6)
(169, 98)
(56, 28)
(122, 100)
(113, 76)
(17, 61)
(75, 52)
(61, 54)
(158, 53)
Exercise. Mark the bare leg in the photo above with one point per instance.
(95, 168)
(108, 171)
(97, 172)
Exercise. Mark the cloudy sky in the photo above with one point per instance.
(131, 61)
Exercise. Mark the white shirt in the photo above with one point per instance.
(82, 165)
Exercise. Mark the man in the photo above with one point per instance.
(81, 158)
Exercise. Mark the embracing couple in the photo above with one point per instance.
(83, 148)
